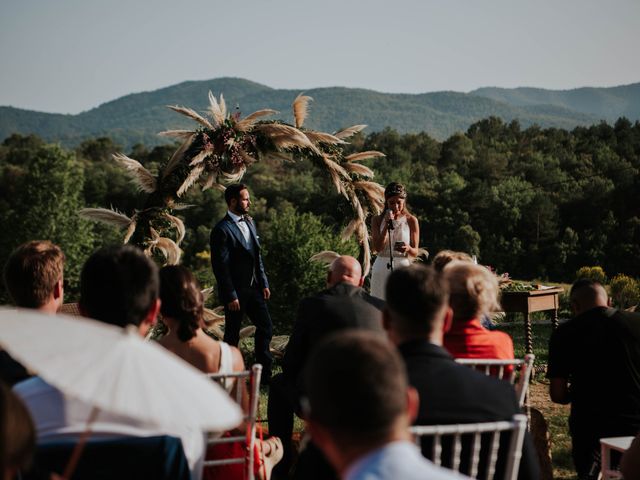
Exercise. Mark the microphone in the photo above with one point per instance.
(390, 221)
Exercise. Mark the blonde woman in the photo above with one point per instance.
(405, 235)
(473, 291)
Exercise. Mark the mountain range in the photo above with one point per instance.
(138, 117)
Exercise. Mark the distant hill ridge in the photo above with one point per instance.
(138, 117)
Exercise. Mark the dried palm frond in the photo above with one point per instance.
(300, 109)
(278, 345)
(190, 180)
(215, 331)
(247, 122)
(183, 134)
(354, 226)
(247, 331)
(142, 178)
(350, 132)
(199, 158)
(215, 109)
(179, 206)
(358, 169)
(373, 190)
(356, 157)
(179, 224)
(223, 106)
(338, 175)
(285, 136)
(211, 317)
(169, 249)
(105, 215)
(319, 137)
(177, 156)
(234, 177)
(246, 158)
(210, 182)
(206, 293)
(326, 257)
(192, 114)
(130, 232)
(366, 255)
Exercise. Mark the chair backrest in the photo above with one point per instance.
(249, 439)
(479, 442)
(492, 366)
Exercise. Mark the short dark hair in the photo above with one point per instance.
(32, 271)
(181, 299)
(415, 295)
(119, 285)
(356, 386)
(233, 191)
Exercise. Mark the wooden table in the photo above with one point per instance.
(532, 301)
(619, 444)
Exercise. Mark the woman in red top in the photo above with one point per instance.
(473, 291)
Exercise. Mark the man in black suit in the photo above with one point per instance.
(242, 282)
(343, 305)
(594, 361)
(416, 317)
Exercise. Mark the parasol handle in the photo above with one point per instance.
(77, 450)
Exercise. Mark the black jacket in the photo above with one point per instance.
(453, 393)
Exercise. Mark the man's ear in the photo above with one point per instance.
(58, 290)
(448, 320)
(413, 404)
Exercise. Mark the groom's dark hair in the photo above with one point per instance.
(233, 191)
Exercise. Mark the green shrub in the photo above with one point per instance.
(592, 273)
(625, 291)
(289, 239)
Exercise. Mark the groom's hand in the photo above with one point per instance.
(234, 306)
(266, 293)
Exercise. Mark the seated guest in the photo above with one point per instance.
(473, 292)
(17, 435)
(444, 257)
(343, 304)
(360, 407)
(416, 317)
(34, 279)
(593, 365)
(118, 286)
(183, 313)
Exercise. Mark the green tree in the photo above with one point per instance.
(46, 207)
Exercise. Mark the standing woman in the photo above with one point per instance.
(405, 236)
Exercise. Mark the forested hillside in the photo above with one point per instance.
(538, 203)
(137, 118)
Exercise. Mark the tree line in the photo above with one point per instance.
(538, 203)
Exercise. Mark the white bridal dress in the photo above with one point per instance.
(379, 271)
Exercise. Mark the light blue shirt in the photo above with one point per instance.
(242, 225)
(400, 460)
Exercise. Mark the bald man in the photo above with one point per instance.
(593, 365)
(342, 305)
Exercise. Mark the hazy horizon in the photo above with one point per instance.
(72, 55)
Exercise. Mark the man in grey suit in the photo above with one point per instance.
(343, 305)
(242, 282)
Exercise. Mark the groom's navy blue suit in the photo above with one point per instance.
(237, 265)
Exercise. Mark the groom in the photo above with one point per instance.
(242, 282)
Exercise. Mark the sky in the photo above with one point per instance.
(67, 56)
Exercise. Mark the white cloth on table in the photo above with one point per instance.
(379, 271)
(395, 461)
(57, 416)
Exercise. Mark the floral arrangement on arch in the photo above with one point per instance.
(219, 151)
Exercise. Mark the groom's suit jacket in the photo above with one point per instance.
(236, 263)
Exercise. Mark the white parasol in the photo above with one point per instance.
(115, 370)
